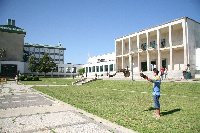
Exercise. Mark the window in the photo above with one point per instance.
(68, 70)
(162, 43)
(93, 69)
(106, 68)
(111, 67)
(153, 44)
(89, 69)
(101, 68)
(144, 46)
(97, 68)
(61, 69)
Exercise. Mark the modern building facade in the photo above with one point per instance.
(172, 45)
(38, 50)
(11, 48)
(101, 65)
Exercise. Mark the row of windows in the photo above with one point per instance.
(153, 44)
(37, 49)
(42, 53)
(68, 69)
(100, 68)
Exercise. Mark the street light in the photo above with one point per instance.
(132, 71)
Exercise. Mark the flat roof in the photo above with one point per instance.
(157, 26)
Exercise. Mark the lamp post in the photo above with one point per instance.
(132, 70)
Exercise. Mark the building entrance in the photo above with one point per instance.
(143, 66)
(8, 70)
(164, 63)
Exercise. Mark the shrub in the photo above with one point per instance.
(36, 78)
(22, 78)
(29, 78)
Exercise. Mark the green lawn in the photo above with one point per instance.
(50, 81)
(128, 103)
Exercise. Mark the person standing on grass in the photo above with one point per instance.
(156, 90)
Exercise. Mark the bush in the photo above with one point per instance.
(22, 78)
(36, 78)
(29, 78)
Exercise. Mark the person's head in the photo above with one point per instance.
(155, 72)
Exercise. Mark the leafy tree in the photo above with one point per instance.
(81, 71)
(26, 56)
(46, 64)
(33, 65)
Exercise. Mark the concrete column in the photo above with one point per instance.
(138, 43)
(129, 45)
(95, 69)
(185, 43)
(158, 47)
(148, 62)
(171, 50)
(122, 54)
(130, 61)
(139, 69)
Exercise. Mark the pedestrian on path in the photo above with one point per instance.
(156, 90)
(17, 78)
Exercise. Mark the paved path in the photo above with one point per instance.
(23, 109)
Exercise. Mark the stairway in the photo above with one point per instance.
(83, 81)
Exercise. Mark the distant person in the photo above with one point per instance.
(16, 78)
(166, 72)
(162, 72)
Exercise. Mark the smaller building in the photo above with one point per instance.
(67, 70)
(100, 65)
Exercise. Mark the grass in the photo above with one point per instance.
(50, 81)
(129, 103)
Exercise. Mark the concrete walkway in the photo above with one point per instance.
(23, 109)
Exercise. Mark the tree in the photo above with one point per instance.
(33, 65)
(46, 64)
(81, 71)
(26, 56)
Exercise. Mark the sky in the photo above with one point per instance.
(89, 27)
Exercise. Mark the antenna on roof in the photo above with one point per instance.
(59, 43)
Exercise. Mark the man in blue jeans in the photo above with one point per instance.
(156, 90)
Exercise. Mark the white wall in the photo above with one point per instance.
(193, 43)
(20, 65)
(198, 59)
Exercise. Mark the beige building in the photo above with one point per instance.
(172, 45)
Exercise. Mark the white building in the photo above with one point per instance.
(100, 65)
(172, 45)
(38, 50)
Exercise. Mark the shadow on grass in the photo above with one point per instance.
(165, 112)
(170, 112)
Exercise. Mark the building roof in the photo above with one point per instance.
(44, 46)
(158, 26)
(11, 28)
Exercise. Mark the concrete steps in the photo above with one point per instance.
(84, 81)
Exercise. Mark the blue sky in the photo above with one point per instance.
(89, 27)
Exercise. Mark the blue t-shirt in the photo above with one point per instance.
(156, 85)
